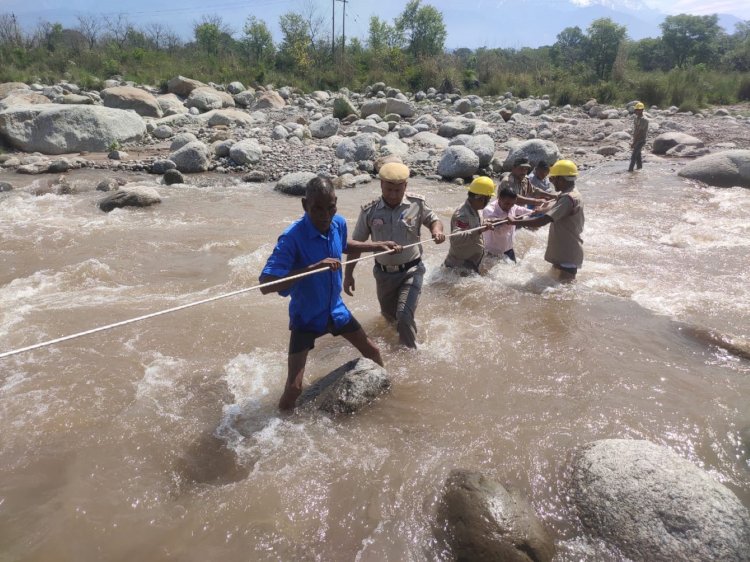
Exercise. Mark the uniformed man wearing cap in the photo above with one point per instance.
(565, 217)
(397, 216)
(521, 186)
(640, 130)
(467, 243)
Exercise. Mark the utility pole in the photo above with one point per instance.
(333, 30)
(343, 32)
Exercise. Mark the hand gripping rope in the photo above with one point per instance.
(212, 299)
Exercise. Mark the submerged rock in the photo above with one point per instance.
(138, 196)
(349, 388)
(656, 506)
(485, 522)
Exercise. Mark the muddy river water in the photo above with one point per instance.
(161, 440)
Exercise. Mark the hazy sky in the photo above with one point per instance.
(181, 14)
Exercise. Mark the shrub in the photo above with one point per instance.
(743, 92)
(651, 92)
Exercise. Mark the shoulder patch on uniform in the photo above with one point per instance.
(370, 204)
(415, 196)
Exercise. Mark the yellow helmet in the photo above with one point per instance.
(565, 168)
(639, 105)
(483, 186)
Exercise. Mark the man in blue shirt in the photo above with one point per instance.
(316, 241)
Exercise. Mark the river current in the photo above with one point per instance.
(161, 440)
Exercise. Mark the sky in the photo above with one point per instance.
(471, 24)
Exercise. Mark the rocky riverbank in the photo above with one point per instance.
(265, 134)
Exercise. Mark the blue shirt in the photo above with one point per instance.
(317, 297)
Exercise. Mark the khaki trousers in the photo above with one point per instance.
(398, 294)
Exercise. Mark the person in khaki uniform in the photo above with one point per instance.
(396, 216)
(519, 183)
(565, 217)
(640, 130)
(467, 248)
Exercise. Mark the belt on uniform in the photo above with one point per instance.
(397, 268)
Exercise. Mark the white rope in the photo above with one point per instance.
(212, 299)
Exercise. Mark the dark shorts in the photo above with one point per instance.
(305, 341)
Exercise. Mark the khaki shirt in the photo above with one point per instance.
(466, 249)
(564, 244)
(400, 224)
(640, 129)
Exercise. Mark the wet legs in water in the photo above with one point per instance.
(635, 158)
(398, 294)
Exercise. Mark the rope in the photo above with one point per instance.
(211, 299)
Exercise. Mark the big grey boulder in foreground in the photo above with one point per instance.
(59, 129)
(656, 506)
(730, 168)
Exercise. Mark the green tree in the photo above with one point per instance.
(649, 54)
(258, 41)
(570, 47)
(296, 42)
(737, 56)
(212, 35)
(382, 36)
(423, 29)
(604, 38)
(690, 39)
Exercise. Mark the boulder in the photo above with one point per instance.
(373, 107)
(127, 97)
(320, 96)
(269, 100)
(108, 185)
(231, 118)
(161, 166)
(180, 140)
(349, 388)
(255, 176)
(183, 86)
(535, 150)
(173, 176)
(5, 186)
(22, 98)
(486, 523)
(483, 146)
(427, 120)
(163, 132)
(246, 98)
(191, 158)
(7, 87)
(656, 506)
(136, 196)
(730, 168)
(451, 129)
(59, 129)
(532, 107)
(75, 99)
(246, 151)
(458, 162)
(206, 99)
(665, 141)
(431, 139)
(400, 107)
(222, 148)
(361, 147)
(687, 151)
(324, 128)
(343, 107)
(294, 183)
(235, 88)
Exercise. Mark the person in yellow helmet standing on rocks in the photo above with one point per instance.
(640, 130)
(467, 248)
(565, 217)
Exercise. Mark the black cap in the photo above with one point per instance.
(521, 162)
(542, 165)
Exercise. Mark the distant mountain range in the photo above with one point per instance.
(483, 23)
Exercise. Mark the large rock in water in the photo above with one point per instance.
(137, 196)
(535, 150)
(294, 183)
(349, 388)
(656, 506)
(458, 162)
(730, 168)
(58, 129)
(127, 97)
(485, 522)
(665, 141)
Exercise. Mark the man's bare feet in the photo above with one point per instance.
(289, 398)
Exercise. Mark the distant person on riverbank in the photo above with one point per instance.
(499, 241)
(517, 181)
(316, 241)
(564, 243)
(398, 216)
(640, 130)
(466, 243)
